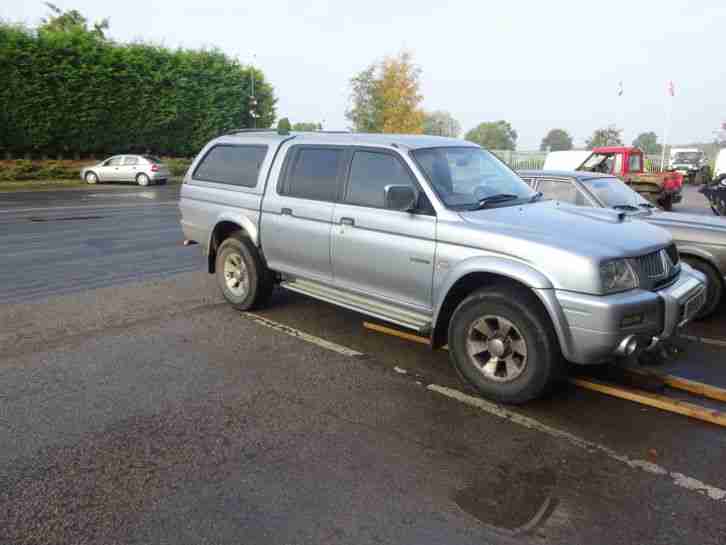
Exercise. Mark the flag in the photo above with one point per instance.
(620, 89)
(671, 88)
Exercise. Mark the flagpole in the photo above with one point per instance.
(666, 130)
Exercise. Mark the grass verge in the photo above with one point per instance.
(47, 185)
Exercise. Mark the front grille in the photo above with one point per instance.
(652, 265)
(658, 269)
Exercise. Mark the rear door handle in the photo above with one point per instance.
(286, 211)
(347, 221)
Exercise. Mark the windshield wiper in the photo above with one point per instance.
(625, 207)
(646, 205)
(537, 196)
(497, 198)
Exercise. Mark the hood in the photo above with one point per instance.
(597, 233)
(691, 227)
(692, 220)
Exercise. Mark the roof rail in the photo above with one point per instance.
(238, 131)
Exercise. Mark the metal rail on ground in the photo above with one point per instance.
(658, 401)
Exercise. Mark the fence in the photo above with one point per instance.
(522, 160)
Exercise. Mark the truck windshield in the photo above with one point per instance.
(599, 162)
(469, 177)
(613, 193)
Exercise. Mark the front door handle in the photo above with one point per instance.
(347, 221)
(286, 211)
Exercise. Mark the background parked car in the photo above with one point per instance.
(701, 240)
(628, 164)
(142, 169)
(692, 164)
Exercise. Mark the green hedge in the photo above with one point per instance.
(72, 92)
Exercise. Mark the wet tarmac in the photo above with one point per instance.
(139, 408)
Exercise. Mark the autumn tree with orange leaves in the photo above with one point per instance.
(385, 97)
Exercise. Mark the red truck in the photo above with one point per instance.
(628, 164)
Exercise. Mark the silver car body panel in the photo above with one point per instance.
(695, 235)
(400, 266)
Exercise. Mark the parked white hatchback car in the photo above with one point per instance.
(141, 169)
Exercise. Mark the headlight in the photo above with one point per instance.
(617, 275)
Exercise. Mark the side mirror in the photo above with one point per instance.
(400, 197)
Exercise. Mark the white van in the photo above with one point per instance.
(565, 160)
(719, 167)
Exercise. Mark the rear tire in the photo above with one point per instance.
(143, 180)
(502, 342)
(666, 203)
(242, 275)
(715, 285)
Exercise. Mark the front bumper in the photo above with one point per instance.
(596, 326)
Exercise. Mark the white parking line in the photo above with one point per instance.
(287, 330)
(678, 479)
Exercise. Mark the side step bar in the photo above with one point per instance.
(406, 318)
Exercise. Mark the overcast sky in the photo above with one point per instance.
(536, 64)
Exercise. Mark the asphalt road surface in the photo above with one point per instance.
(71, 240)
(139, 408)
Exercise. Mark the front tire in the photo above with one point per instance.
(715, 286)
(142, 179)
(502, 342)
(244, 279)
(91, 178)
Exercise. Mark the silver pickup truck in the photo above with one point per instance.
(439, 236)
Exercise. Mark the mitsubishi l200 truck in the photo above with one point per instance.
(439, 236)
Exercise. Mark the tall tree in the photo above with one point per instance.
(385, 97)
(284, 125)
(441, 123)
(556, 140)
(307, 126)
(648, 142)
(365, 110)
(69, 21)
(608, 136)
(497, 135)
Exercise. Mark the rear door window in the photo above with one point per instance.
(314, 173)
(232, 165)
(130, 161)
(370, 173)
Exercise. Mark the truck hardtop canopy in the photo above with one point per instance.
(406, 141)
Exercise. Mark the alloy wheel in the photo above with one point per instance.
(496, 348)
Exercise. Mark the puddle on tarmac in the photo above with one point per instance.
(510, 501)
